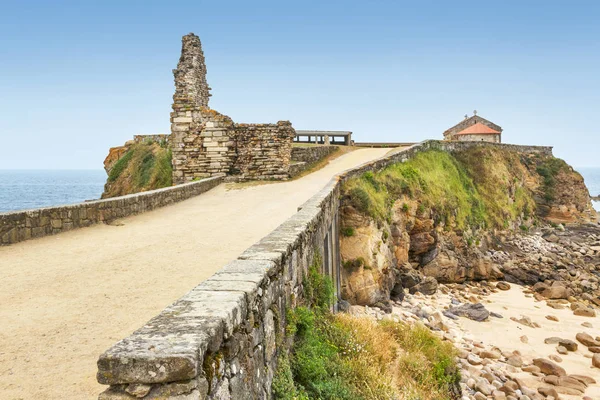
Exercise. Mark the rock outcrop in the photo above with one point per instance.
(141, 164)
(453, 241)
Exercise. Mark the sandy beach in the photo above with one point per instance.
(506, 334)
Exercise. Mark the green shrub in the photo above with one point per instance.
(120, 166)
(283, 386)
(337, 356)
(318, 288)
(348, 231)
(356, 263)
(549, 168)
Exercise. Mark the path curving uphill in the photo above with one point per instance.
(66, 298)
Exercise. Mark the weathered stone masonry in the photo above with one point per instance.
(23, 225)
(222, 339)
(206, 143)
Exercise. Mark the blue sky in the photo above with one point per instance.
(79, 77)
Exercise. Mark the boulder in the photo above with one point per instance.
(524, 320)
(552, 340)
(557, 291)
(409, 279)
(503, 286)
(474, 359)
(428, 286)
(587, 340)
(568, 344)
(548, 367)
(596, 360)
(476, 312)
(595, 349)
(555, 358)
(515, 360)
(586, 380)
(547, 391)
(585, 312)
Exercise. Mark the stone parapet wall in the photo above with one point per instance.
(222, 339)
(263, 151)
(311, 154)
(18, 226)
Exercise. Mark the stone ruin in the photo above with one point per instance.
(206, 143)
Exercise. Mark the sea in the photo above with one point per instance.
(592, 181)
(27, 189)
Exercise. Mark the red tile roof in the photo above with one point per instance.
(478, 129)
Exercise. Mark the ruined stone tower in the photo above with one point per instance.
(190, 76)
(190, 101)
(205, 143)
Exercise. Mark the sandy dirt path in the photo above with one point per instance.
(65, 299)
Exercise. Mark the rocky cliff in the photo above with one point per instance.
(141, 164)
(435, 218)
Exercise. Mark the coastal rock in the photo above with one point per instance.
(585, 312)
(476, 312)
(557, 291)
(428, 286)
(548, 367)
(587, 340)
(568, 344)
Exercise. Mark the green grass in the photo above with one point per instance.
(549, 169)
(145, 166)
(478, 187)
(120, 166)
(434, 178)
(337, 356)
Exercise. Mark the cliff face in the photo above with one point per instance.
(137, 167)
(438, 214)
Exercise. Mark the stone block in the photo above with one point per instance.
(183, 120)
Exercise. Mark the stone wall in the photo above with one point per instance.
(304, 158)
(18, 226)
(311, 154)
(205, 151)
(263, 151)
(190, 102)
(206, 143)
(478, 138)
(222, 339)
